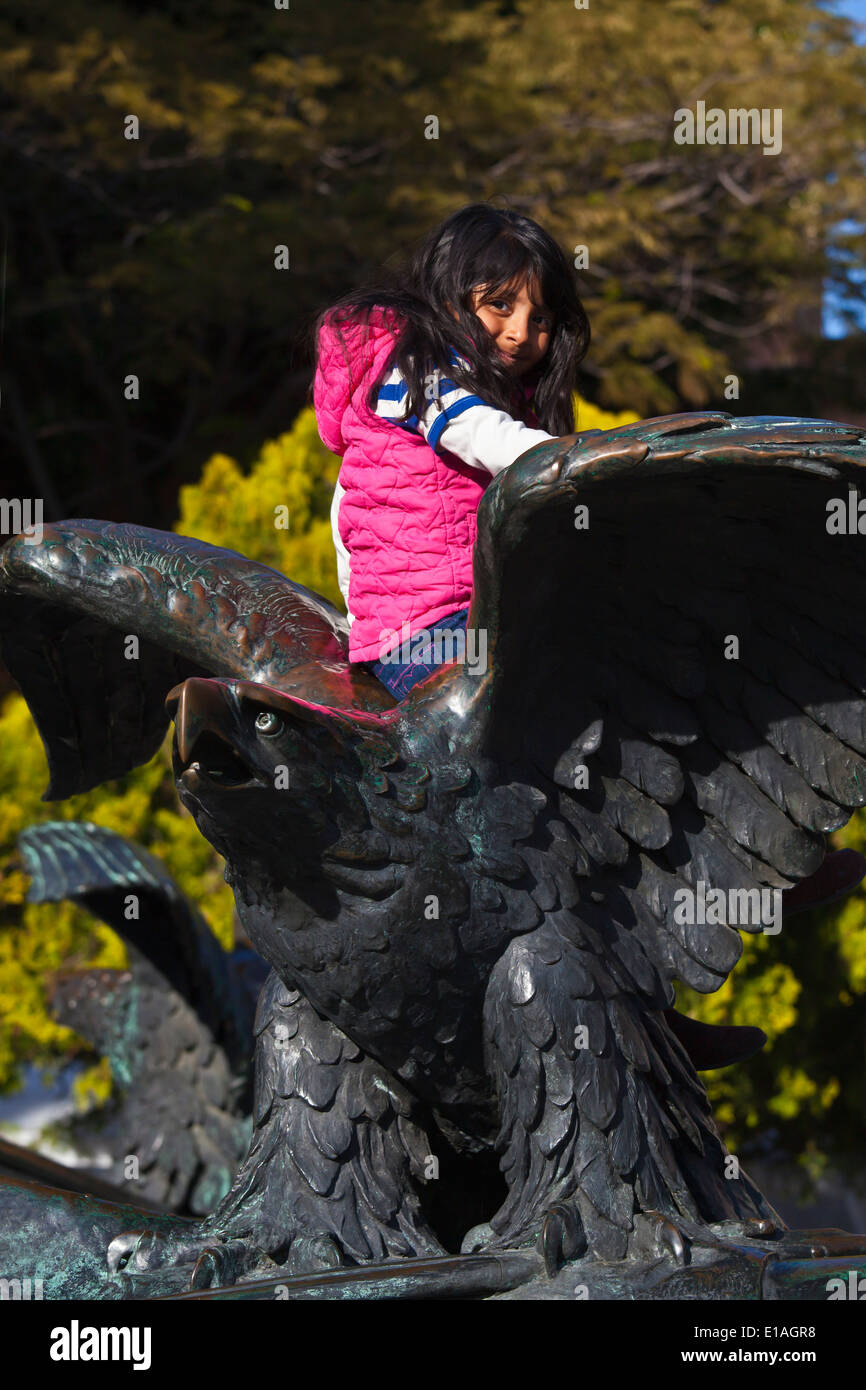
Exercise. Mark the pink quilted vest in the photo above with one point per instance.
(408, 517)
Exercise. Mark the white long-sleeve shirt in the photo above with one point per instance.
(479, 434)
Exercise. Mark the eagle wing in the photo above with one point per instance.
(177, 1026)
(672, 705)
(680, 667)
(98, 621)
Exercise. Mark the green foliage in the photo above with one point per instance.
(591, 417)
(305, 128)
(806, 988)
(294, 476)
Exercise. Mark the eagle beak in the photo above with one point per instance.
(194, 706)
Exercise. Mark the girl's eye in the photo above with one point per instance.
(268, 723)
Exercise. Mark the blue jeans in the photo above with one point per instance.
(400, 676)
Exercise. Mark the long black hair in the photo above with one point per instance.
(491, 248)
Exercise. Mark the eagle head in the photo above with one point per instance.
(281, 787)
(255, 767)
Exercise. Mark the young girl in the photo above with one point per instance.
(428, 388)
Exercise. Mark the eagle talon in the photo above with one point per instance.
(134, 1252)
(120, 1251)
(562, 1237)
(478, 1238)
(311, 1254)
(761, 1229)
(209, 1268)
(669, 1237)
(214, 1262)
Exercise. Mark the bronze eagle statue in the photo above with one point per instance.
(472, 901)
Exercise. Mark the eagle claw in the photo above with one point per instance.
(131, 1251)
(219, 1265)
(215, 1261)
(562, 1237)
(218, 1261)
(670, 1237)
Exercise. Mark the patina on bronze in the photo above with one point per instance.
(468, 899)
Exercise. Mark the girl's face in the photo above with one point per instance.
(519, 324)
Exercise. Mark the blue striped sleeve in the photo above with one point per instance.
(392, 393)
(450, 413)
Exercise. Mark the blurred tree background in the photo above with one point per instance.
(306, 128)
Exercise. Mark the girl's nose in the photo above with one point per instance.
(517, 330)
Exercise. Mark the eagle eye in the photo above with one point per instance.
(268, 723)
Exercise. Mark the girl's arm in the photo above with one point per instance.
(461, 423)
(477, 433)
